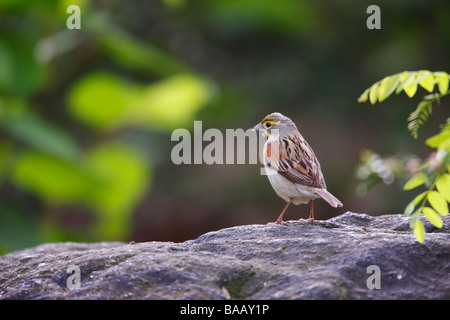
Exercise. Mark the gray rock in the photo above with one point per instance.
(327, 260)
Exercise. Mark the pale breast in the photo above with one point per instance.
(283, 187)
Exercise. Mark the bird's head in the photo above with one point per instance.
(275, 123)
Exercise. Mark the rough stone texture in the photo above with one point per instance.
(327, 260)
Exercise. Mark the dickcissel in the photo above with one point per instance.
(291, 165)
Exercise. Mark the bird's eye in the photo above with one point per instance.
(268, 125)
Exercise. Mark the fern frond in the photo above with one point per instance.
(419, 116)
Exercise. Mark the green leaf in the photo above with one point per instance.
(125, 174)
(99, 99)
(443, 186)
(20, 74)
(55, 179)
(412, 205)
(106, 102)
(42, 135)
(438, 139)
(432, 216)
(421, 75)
(419, 231)
(373, 93)
(132, 52)
(411, 89)
(417, 180)
(414, 218)
(387, 86)
(409, 209)
(444, 145)
(442, 80)
(111, 179)
(419, 198)
(405, 79)
(428, 82)
(438, 202)
(170, 103)
(364, 96)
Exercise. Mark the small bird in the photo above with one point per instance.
(291, 165)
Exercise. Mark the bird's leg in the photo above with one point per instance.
(311, 211)
(280, 218)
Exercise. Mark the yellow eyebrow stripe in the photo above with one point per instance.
(269, 121)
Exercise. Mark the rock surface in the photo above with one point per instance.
(327, 260)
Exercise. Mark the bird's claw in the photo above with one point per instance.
(279, 222)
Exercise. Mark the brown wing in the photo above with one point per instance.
(294, 159)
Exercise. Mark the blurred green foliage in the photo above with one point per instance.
(106, 175)
(86, 115)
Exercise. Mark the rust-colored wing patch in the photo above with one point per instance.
(295, 161)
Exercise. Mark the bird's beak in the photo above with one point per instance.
(259, 128)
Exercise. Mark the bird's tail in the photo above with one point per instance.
(328, 197)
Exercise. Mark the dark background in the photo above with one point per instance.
(86, 115)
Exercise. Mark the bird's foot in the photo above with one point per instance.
(280, 222)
